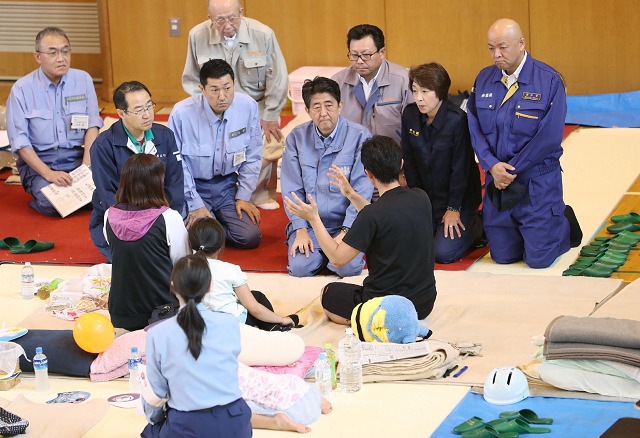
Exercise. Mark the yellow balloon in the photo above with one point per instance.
(93, 332)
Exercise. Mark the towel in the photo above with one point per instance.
(114, 362)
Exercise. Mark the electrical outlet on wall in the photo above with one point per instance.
(174, 27)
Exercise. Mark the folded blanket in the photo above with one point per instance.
(587, 381)
(114, 362)
(613, 332)
(431, 366)
(572, 350)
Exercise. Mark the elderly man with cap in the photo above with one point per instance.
(51, 113)
(252, 50)
(516, 114)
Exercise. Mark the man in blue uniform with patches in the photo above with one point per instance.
(310, 150)
(134, 133)
(516, 114)
(219, 136)
(51, 113)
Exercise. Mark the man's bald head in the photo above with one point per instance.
(225, 16)
(506, 44)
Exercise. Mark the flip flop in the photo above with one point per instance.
(32, 245)
(490, 432)
(9, 242)
(527, 415)
(474, 423)
(623, 226)
(632, 217)
(520, 426)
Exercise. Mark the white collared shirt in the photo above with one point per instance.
(512, 79)
(368, 87)
(230, 41)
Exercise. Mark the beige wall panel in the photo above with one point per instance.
(312, 32)
(19, 64)
(451, 32)
(594, 44)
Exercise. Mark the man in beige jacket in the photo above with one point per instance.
(253, 52)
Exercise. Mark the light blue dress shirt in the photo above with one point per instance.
(39, 113)
(191, 384)
(211, 146)
(306, 161)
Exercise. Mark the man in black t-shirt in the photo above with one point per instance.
(394, 233)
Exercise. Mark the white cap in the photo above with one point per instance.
(348, 331)
(28, 264)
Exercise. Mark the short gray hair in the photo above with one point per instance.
(51, 30)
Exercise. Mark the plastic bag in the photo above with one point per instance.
(9, 354)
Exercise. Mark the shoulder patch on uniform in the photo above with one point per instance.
(531, 96)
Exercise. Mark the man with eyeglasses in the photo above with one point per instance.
(375, 91)
(252, 50)
(311, 149)
(218, 135)
(134, 133)
(51, 113)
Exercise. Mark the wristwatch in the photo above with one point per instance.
(345, 229)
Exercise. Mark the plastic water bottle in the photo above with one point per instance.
(41, 368)
(350, 355)
(27, 282)
(134, 361)
(331, 357)
(323, 375)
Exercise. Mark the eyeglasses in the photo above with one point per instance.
(148, 108)
(232, 19)
(364, 56)
(55, 53)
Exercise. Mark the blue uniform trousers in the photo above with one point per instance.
(219, 196)
(301, 266)
(535, 229)
(230, 421)
(61, 159)
(449, 250)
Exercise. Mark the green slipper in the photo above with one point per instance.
(612, 244)
(613, 257)
(527, 415)
(587, 259)
(628, 237)
(623, 226)
(607, 265)
(490, 432)
(520, 426)
(602, 238)
(632, 217)
(9, 242)
(474, 423)
(597, 271)
(572, 273)
(32, 246)
(590, 251)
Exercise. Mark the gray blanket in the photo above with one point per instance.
(612, 332)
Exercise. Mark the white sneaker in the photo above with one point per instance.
(271, 205)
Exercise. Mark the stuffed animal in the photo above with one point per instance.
(388, 319)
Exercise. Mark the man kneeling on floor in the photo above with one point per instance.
(394, 233)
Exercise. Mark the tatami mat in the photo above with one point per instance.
(599, 165)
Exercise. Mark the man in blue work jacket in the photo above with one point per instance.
(219, 137)
(310, 150)
(516, 114)
(134, 133)
(51, 113)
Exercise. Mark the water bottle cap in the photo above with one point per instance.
(28, 264)
(134, 349)
(348, 331)
(322, 356)
(327, 345)
(38, 350)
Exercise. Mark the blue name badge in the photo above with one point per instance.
(237, 133)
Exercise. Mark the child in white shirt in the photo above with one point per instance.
(230, 292)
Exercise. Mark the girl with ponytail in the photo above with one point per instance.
(192, 365)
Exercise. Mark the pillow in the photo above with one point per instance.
(269, 348)
(300, 367)
(113, 363)
(63, 354)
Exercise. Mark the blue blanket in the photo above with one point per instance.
(571, 417)
(606, 110)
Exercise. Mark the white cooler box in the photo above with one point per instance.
(297, 78)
